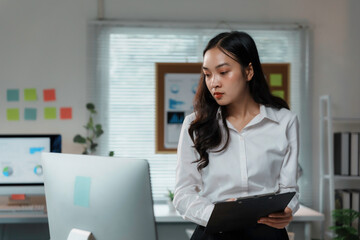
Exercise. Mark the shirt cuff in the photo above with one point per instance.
(294, 205)
(207, 214)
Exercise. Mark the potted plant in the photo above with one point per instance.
(343, 224)
(93, 132)
(170, 196)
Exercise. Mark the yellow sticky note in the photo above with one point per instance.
(30, 94)
(12, 114)
(276, 80)
(279, 93)
(50, 113)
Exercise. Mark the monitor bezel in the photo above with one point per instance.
(57, 149)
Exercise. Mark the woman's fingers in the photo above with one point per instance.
(276, 223)
(230, 199)
(278, 220)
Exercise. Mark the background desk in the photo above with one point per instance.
(168, 224)
(167, 220)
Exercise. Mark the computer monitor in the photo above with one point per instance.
(107, 196)
(20, 162)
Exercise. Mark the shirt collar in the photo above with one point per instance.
(265, 112)
(268, 112)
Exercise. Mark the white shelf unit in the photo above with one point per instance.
(334, 181)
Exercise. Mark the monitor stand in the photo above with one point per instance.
(77, 234)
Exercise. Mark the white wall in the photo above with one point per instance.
(43, 44)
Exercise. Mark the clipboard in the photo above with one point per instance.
(245, 212)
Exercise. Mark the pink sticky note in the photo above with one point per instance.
(66, 113)
(49, 95)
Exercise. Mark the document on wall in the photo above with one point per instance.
(180, 89)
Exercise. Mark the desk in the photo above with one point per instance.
(304, 215)
(165, 219)
(307, 215)
(23, 218)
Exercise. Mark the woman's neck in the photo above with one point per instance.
(241, 113)
(243, 108)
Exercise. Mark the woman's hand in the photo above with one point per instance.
(278, 220)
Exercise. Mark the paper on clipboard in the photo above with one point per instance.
(245, 212)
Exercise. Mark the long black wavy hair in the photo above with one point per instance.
(205, 129)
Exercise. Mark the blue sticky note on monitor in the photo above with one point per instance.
(12, 95)
(82, 191)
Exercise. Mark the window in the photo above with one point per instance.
(124, 88)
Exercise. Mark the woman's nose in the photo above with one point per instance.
(215, 82)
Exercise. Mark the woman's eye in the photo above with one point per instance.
(223, 73)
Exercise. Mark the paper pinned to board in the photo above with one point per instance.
(276, 80)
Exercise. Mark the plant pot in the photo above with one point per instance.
(171, 206)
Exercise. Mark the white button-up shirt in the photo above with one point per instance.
(261, 158)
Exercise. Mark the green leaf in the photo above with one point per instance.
(79, 139)
(343, 219)
(99, 132)
(93, 146)
(90, 106)
(111, 153)
(170, 195)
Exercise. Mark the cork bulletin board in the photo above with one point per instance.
(176, 85)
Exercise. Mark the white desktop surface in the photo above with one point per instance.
(23, 217)
(163, 214)
(9, 218)
(304, 216)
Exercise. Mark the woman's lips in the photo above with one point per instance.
(218, 95)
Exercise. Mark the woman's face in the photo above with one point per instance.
(224, 77)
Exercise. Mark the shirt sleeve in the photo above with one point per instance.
(187, 200)
(288, 174)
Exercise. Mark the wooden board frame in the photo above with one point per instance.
(284, 70)
(161, 70)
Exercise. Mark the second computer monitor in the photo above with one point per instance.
(20, 162)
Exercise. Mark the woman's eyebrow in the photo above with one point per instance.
(218, 66)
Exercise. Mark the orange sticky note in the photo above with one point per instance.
(17, 197)
(49, 95)
(66, 113)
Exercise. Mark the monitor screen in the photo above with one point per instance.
(20, 162)
(107, 196)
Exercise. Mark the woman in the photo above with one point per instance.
(240, 141)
